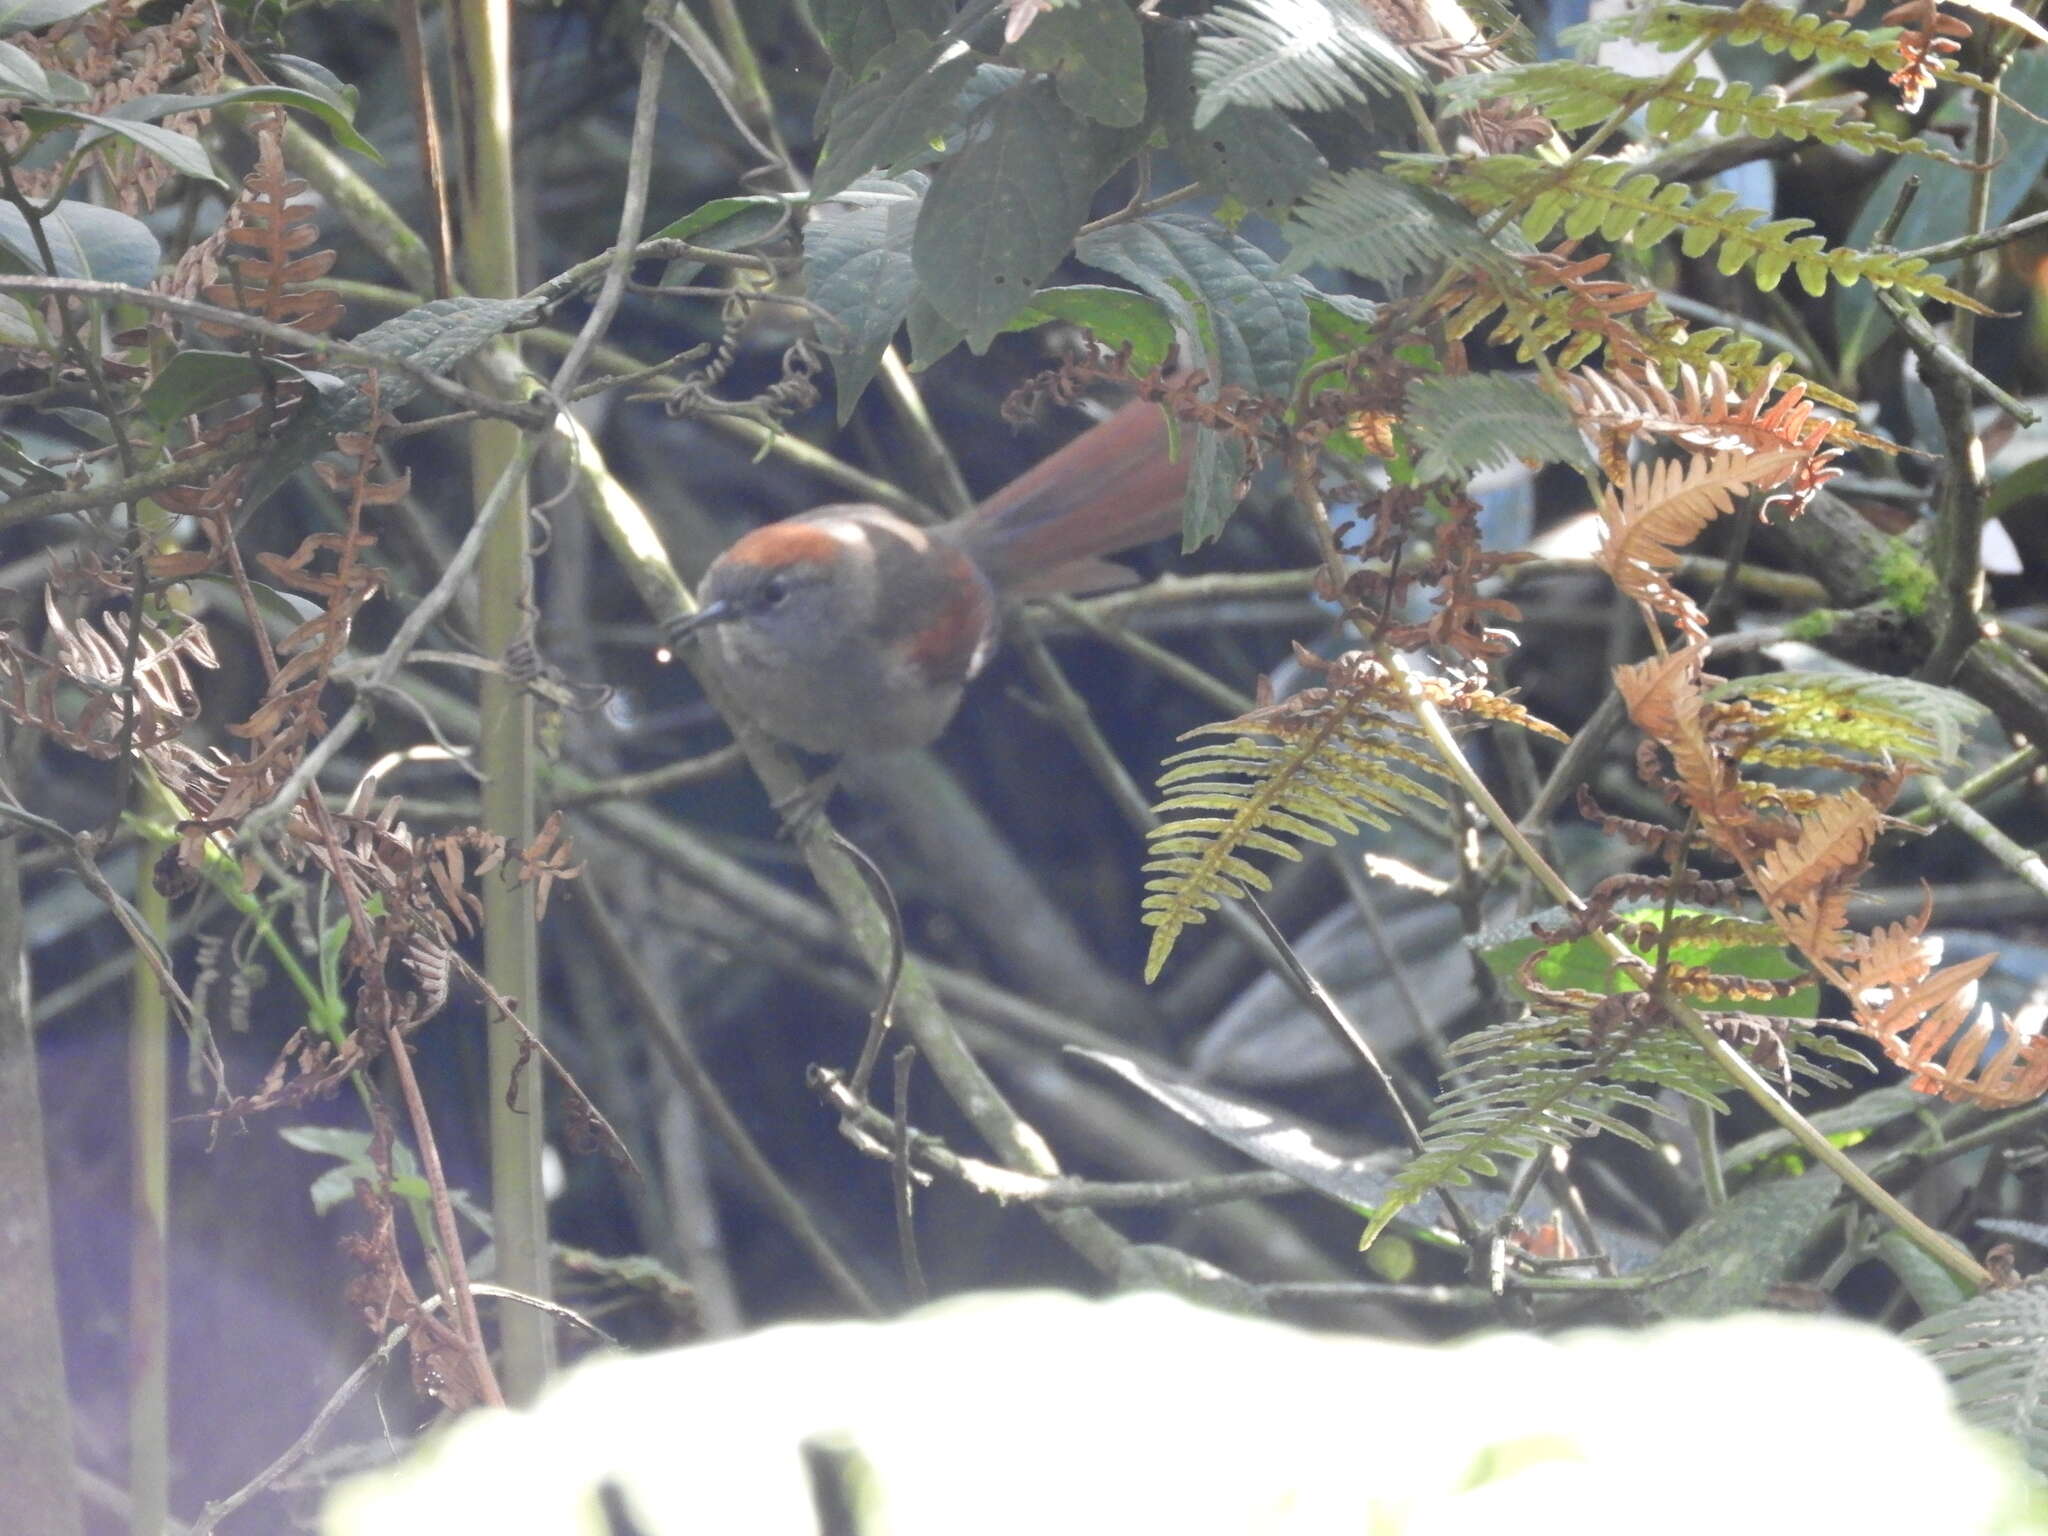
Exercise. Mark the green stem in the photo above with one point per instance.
(149, 1193)
(505, 741)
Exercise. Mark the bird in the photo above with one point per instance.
(851, 631)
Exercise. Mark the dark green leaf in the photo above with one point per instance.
(184, 155)
(903, 100)
(854, 31)
(339, 119)
(27, 15)
(932, 335)
(1095, 51)
(19, 465)
(857, 268)
(728, 223)
(86, 241)
(192, 381)
(1249, 322)
(311, 76)
(1730, 1258)
(1253, 154)
(1003, 211)
(1215, 481)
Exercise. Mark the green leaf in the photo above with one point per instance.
(1246, 322)
(728, 223)
(1253, 154)
(903, 99)
(21, 76)
(1730, 1258)
(1002, 212)
(26, 471)
(1215, 480)
(1479, 420)
(27, 15)
(1932, 1285)
(1096, 54)
(857, 268)
(1249, 321)
(1116, 317)
(86, 241)
(182, 154)
(316, 79)
(854, 31)
(192, 381)
(339, 118)
(18, 327)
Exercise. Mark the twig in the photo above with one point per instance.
(219, 1509)
(410, 629)
(284, 337)
(2022, 862)
(904, 1181)
(672, 1045)
(892, 969)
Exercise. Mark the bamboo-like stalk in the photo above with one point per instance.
(149, 1199)
(36, 1473)
(505, 743)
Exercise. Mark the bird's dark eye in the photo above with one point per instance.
(773, 591)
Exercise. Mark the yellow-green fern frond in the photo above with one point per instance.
(1331, 761)
(1802, 719)
(1576, 95)
(1618, 201)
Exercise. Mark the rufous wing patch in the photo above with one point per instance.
(955, 642)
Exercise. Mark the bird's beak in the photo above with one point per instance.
(711, 613)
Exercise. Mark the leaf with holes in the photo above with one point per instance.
(1253, 154)
(903, 99)
(1096, 56)
(1003, 211)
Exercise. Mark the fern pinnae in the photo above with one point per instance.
(1337, 764)
(1307, 54)
(1994, 1351)
(1619, 201)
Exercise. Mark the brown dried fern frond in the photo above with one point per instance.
(1707, 415)
(35, 690)
(1662, 507)
(1931, 1023)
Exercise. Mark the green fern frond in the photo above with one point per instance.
(1308, 54)
(1332, 765)
(1533, 1087)
(1881, 717)
(1577, 95)
(1618, 201)
(1478, 420)
(1994, 1351)
(1382, 229)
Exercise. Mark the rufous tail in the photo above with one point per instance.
(1112, 488)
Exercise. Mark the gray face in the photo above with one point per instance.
(780, 614)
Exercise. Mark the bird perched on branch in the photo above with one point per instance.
(852, 630)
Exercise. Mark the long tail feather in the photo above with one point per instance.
(1112, 488)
